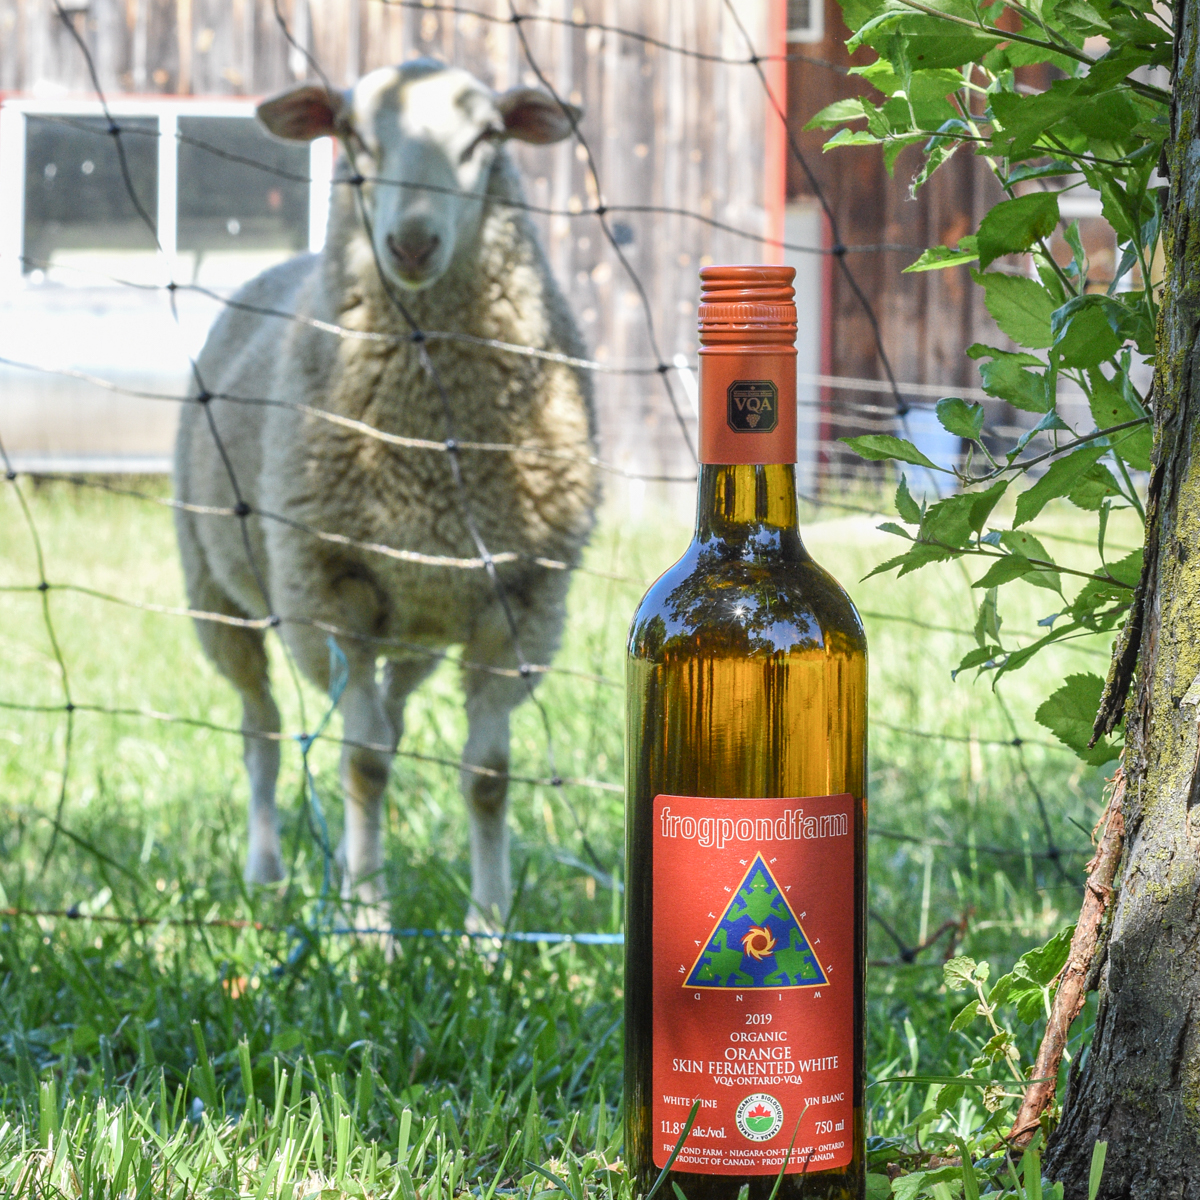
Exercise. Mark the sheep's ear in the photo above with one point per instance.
(534, 116)
(303, 113)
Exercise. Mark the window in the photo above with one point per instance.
(805, 20)
(77, 204)
(235, 219)
(224, 199)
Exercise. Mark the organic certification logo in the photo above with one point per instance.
(759, 1117)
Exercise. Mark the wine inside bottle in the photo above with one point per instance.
(746, 807)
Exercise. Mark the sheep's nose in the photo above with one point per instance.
(414, 250)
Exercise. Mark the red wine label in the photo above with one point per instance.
(753, 983)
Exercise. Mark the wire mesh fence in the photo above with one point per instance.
(671, 375)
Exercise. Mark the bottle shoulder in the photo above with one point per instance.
(719, 605)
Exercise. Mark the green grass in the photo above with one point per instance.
(224, 1060)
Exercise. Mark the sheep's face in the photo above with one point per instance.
(425, 138)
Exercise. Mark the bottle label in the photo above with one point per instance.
(754, 983)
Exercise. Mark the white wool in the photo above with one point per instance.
(322, 476)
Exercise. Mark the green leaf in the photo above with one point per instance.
(1050, 421)
(1020, 306)
(1014, 225)
(879, 1187)
(851, 137)
(1019, 542)
(1101, 602)
(996, 1047)
(949, 1094)
(920, 86)
(906, 506)
(1024, 120)
(833, 114)
(957, 416)
(1070, 713)
(988, 620)
(937, 257)
(879, 447)
(1033, 973)
(1082, 17)
(928, 42)
(1127, 570)
(1111, 406)
(1083, 336)
(1024, 172)
(1062, 476)
(921, 555)
(980, 657)
(949, 522)
(909, 1187)
(1043, 963)
(966, 1017)
(983, 502)
(1006, 378)
(1005, 570)
(1093, 488)
(961, 972)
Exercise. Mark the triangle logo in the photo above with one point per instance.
(758, 941)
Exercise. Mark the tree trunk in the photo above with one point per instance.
(1138, 1087)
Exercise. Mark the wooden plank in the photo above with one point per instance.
(183, 35)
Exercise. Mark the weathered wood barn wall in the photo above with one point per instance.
(926, 319)
(667, 130)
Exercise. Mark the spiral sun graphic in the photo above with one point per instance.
(758, 942)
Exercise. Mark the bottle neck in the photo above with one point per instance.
(750, 508)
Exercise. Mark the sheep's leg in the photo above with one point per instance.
(370, 741)
(260, 716)
(240, 655)
(486, 795)
(491, 698)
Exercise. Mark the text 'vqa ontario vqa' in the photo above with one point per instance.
(746, 794)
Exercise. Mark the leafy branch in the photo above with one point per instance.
(946, 79)
(1058, 46)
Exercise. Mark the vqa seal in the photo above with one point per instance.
(759, 1117)
(752, 405)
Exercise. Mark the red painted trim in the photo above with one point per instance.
(775, 141)
(140, 97)
(826, 409)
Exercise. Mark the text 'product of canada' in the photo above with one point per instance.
(746, 807)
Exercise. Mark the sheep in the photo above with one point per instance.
(455, 252)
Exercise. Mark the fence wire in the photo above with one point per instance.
(904, 397)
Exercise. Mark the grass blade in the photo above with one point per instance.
(787, 1158)
(1096, 1174)
(662, 1175)
(554, 1179)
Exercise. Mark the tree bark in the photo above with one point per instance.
(1138, 1086)
(1071, 994)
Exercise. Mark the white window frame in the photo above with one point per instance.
(814, 31)
(13, 113)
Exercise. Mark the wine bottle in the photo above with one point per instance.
(746, 806)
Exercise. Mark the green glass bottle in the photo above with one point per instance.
(746, 807)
